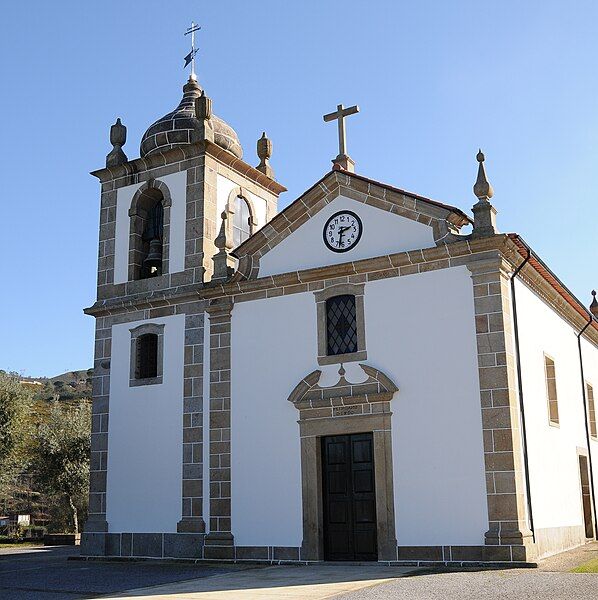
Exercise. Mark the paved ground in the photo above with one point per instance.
(276, 583)
(516, 584)
(46, 574)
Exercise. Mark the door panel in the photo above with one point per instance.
(363, 482)
(349, 497)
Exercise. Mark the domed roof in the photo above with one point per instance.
(180, 127)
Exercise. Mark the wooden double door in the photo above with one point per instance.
(349, 497)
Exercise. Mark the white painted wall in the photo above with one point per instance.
(552, 451)
(383, 233)
(420, 331)
(177, 184)
(273, 348)
(124, 196)
(224, 186)
(145, 437)
(416, 327)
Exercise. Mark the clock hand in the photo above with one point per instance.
(341, 232)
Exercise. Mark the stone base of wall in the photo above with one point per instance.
(189, 546)
(143, 545)
(552, 540)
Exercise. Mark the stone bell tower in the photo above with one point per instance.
(160, 216)
(193, 141)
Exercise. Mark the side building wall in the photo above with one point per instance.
(553, 450)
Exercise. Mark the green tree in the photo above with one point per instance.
(60, 455)
(15, 404)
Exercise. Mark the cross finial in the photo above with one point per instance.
(343, 160)
(190, 58)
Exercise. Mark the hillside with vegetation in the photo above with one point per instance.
(66, 387)
(45, 428)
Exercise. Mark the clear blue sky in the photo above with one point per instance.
(434, 80)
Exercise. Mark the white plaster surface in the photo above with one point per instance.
(177, 184)
(273, 346)
(552, 451)
(145, 437)
(124, 196)
(426, 347)
(383, 233)
(420, 331)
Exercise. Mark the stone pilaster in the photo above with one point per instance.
(219, 542)
(194, 230)
(192, 509)
(505, 478)
(106, 242)
(96, 521)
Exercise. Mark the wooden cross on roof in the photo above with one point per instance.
(343, 160)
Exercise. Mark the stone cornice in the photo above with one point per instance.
(390, 265)
(243, 168)
(180, 153)
(411, 262)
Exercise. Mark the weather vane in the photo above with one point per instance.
(190, 58)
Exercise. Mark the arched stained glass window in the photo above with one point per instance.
(241, 221)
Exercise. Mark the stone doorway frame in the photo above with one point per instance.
(345, 409)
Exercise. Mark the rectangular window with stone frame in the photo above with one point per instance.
(341, 324)
(147, 350)
(553, 405)
(591, 411)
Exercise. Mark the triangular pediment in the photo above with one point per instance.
(393, 220)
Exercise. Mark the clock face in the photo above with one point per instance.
(342, 231)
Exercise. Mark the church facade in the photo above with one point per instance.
(354, 377)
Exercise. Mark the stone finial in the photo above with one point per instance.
(118, 138)
(203, 113)
(594, 305)
(220, 241)
(203, 107)
(484, 214)
(264, 152)
(482, 188)
(222, 260)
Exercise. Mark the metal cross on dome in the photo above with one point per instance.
(342, 161)
(190, 58)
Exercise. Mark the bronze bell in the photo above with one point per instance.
(153, 260)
